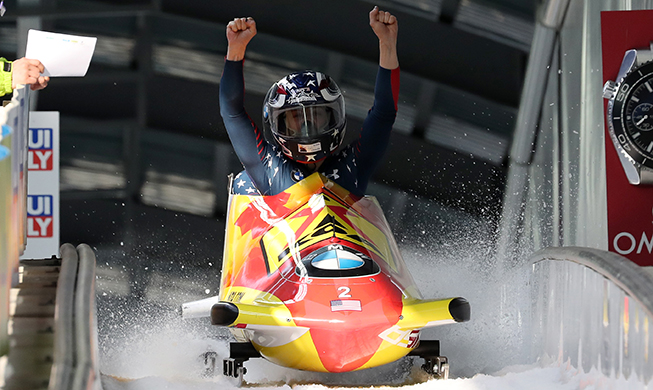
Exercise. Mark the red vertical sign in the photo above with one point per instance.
(630, 208)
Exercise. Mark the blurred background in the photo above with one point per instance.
(145, 156)
(143, 126)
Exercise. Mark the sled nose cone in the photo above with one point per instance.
(460, 310)
(224, 313)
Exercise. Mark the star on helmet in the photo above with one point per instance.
(310, 157)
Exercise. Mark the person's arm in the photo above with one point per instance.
(22, 71)
(246, 138)
(377, 127)
(375, 133)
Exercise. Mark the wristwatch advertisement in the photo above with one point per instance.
(627, 50)
(630, 114)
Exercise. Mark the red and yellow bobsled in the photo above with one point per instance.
(313, 279)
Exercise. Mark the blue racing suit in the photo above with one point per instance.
(268, 171)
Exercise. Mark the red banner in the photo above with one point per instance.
(630, 207)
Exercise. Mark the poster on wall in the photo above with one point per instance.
(43, 186)
(627, 50)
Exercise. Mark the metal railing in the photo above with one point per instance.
(53, 342)
(76, 362)
(64, 340)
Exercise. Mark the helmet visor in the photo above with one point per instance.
(305, 122)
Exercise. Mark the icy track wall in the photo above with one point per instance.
(591, 314)
(590, 310)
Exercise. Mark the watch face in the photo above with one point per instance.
(632, 115)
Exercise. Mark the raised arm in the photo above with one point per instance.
(245, 136)
(375, 134)
(385, 26)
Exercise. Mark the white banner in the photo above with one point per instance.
(43, 186)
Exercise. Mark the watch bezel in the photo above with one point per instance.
(616, 117)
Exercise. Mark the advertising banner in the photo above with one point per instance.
(43, 186)
(630, 206)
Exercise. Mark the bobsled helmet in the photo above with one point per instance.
(305, 114)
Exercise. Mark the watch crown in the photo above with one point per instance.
(609, 89)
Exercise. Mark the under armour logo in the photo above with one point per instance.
(334, 175)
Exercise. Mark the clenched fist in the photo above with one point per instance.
(239, 32)
(27, 71)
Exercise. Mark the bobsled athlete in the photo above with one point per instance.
(304, 113)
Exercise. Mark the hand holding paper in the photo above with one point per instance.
(62, 55)
(28, 71)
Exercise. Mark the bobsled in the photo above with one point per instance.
(312, 279)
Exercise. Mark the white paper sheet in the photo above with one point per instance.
(62, 55)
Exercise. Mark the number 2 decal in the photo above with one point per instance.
(344, 292)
